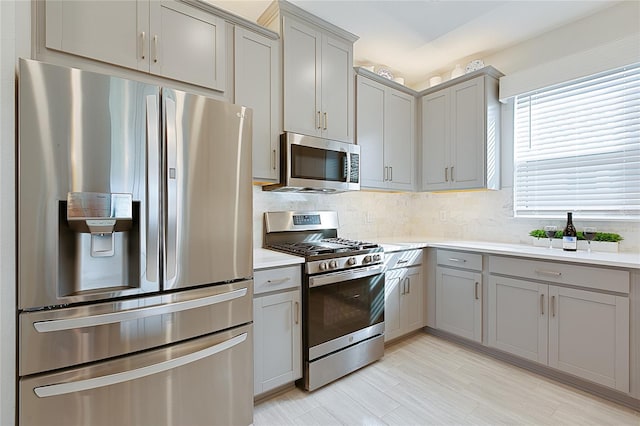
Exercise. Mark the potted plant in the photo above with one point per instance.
(603, 241)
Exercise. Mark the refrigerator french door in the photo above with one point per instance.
(134, 253)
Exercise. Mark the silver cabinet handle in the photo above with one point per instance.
(318, 121)
(127, 376)
(476, 290)
(452, 174)
(385, 174)
(279, 280)
(155, 48)
(391, 173)
(408, 285)
(153, 189)
(446, 174)
(143, 36)
(553, 306)
(547, 272)
(404, 287)
(402, 261)
(273, 162)
(542, 304)
(326, 120)
(134, 314)
(297, 307)
(453, 259)
(172, 236)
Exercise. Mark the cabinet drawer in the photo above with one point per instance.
(584, 276)
(266, 280)
(403, 259)
(459, 259)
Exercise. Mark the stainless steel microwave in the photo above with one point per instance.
(310, 164)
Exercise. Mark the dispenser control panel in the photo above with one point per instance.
(99, 212)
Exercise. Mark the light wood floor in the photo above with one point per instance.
(425, 380)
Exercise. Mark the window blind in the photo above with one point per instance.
(577, 148)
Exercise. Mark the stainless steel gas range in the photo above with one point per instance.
(342, 293)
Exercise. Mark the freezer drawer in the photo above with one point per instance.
(206, 381)
(78, 335)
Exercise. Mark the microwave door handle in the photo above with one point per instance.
(152, 208)
(127, 376)
(347, 168)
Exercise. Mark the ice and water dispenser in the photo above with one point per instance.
(99, 242)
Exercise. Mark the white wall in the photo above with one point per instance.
(608, 25)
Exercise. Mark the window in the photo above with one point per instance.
(577, 148)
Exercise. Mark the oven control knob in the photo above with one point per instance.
(333, 264)
(367, 259)
(376, 258)
(323, 266)
(351, 261)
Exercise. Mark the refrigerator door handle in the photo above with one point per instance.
(153, 189)
(126, 376)
(172, 192)
(133, 314)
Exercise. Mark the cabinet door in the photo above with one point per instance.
(277, 340)
(256, 86)
(518, 317)
(399, 138)
(436, 126)
(301, 76)
(459, 302)
(589, 336)
(337, 89)
(412, 306)
(392, 296)
(109, 31)
(370, 126)
(187, 44)
(467, 135)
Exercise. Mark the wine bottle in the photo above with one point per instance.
(569, 235)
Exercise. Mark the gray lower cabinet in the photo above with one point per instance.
(577, 331)
(459, 294)
(277, 328)
(403, 294)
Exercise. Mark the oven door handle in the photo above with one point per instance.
(336, 277)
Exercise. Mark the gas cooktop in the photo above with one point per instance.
(324, 246)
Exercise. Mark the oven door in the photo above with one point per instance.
(343, 309)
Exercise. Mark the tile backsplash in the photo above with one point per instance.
(479, 215)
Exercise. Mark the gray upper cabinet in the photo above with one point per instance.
(460, 133)
(150, 36)
(317, 73)
(385, 123)
(257, 85)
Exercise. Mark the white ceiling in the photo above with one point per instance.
(420, 38)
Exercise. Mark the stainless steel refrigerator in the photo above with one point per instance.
(134, 253)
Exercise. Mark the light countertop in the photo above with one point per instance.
(618, 260)
(263, 258)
